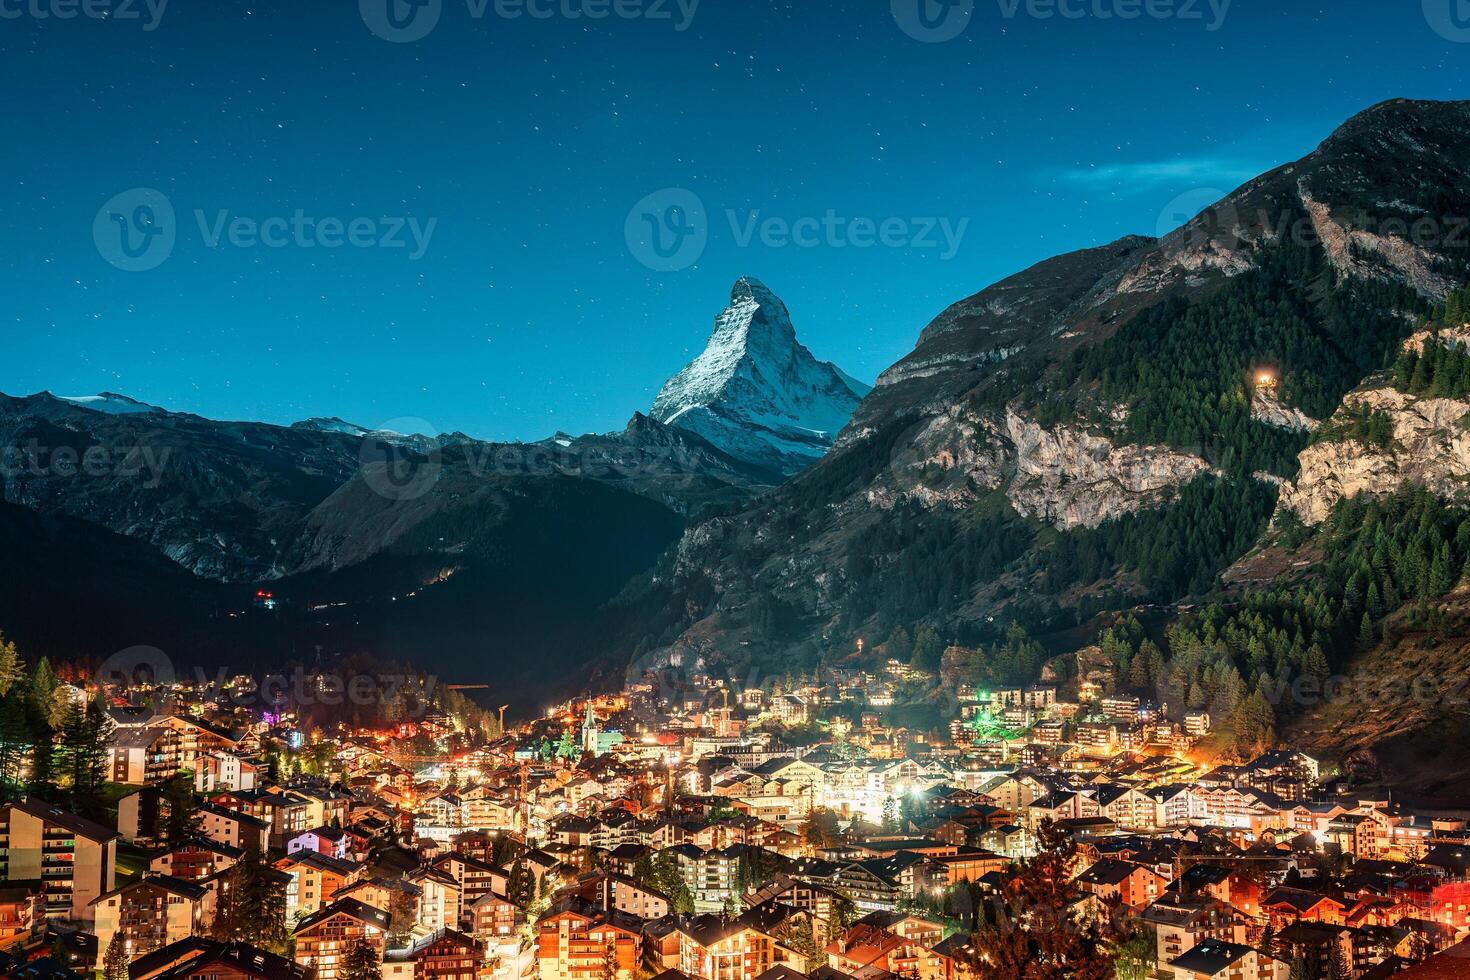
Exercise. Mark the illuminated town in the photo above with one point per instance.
(686, 828)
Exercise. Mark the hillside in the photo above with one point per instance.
(1107, 428)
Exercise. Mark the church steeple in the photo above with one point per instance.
(590, 731)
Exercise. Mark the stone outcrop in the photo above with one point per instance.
(1430, 448)
(1267, 409)
(1367, 254)
(1071, 478)
(1065, 476)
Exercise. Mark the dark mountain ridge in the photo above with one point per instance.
(1092, 431)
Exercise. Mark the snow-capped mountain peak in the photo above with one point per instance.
(109, 403)
(333, 424)
(756, 392)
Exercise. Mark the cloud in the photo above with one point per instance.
(1153, 173)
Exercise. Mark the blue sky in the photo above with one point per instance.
(519, 146)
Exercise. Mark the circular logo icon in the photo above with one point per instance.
(933, 21)
(401, 21)
(134, 669)
(397, 465)
(668, 230)
(136, 231)
(1207, 212)
(1449, 18)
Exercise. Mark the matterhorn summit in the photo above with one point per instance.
(758, 394)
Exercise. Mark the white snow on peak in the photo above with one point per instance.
(332, 424)
(109, 403)
(756, 392)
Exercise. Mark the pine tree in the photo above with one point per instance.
(252, 905)
(928, 649)
(521, 888)
(610, 960)
(182, 820)
(115, 960)
(567, 748)
(361, 963)
(900, 645)
(1033, 929)
(11, 668)
(402, 916)
(15, 741)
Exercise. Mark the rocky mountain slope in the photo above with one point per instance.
(1424, 442)
(1098, 385)
(755, 392)
(431, 548)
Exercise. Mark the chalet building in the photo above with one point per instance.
(324, 938)
(1179, 925)
(867, 949)
(188, 738)
(330, 841)
(233, 827)
(74, 859)
(1216, 960)
(224, 770)
(22, 913)
(443, 955)
(621, 894)
(1132, 884)
(439, 905)
(970, 864)
(205, 959)
(316, 880)
(142, 755)
(475, 878)
(712, 947)
(1287, 906)
(491, 916)
(150, 913)
(579, 942)
(196, 860)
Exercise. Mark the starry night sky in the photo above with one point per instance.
(528, 141)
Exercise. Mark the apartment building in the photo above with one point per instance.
(151, 912)
(74, 859)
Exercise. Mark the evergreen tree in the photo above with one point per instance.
(1032, 936)
(567, 748)
(928, 649)
(402, 916)
(900, 645)
(15, 742)
(11, 668)
(181, 820)
(521, 888)
(251, 906)
(361, 963)
(115, 960)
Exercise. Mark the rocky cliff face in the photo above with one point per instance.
(954, 430)
(1267, 409)
(1430, 447)
(1064, 476)
(1070, 478)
